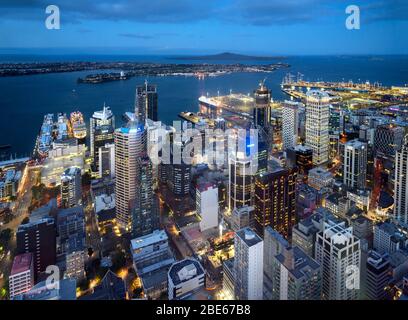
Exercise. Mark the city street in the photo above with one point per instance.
(19, 211)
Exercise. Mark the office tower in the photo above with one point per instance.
(262, 109)
(144, 211)
(388, 238)
(158, 138)
(296, 276)
(39, 238)
(304, 233)
(388, 139)
(71, 241)
(103, 150)
(248, 265)
(355, 164)
(146, 102)
(106, 163)
(207, 205)
(262, 123)
(274, 243)
(242, 217)
(401, 184)
(102, 125)
(317, 125)
(178, 178)
(275, 200)
(301, 157)
(319, 178)
(184, 278)
(21, 277)
(129, 146)
(290, 123)
(338, 252)
(240, 184)
(71, 187)
(378, 275)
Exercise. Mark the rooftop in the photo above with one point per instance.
(21, 263)
(147, 240)
(248, 236)
(184, 270)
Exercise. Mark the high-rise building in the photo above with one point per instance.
(338, 252)
(207, 205)
(388, 238)
(144, 211)
(401, 184)
(388, 138)
(103, 139)
(39, 238)
(296, 276)
(178, 178)
(146, 102)
(262, 109)
(319, 178)
(248, 265)
(274, 243)
(275, 200)
(129, 146)
(241, 175)
(21, 277)
(102, 126)
(355, 164)
(290, 123)
(71, 187)
(262, 123)
(242, 217)
(301, 157)
(317, 125)
(378, 275)
(106, 163)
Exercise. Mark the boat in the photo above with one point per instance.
(78, 125)
(45, 137)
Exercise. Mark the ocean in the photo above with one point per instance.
(25, 99)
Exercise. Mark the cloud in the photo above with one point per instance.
(249, 12)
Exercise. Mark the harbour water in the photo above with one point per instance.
(24, 100)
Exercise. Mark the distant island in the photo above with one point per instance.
(227, 56)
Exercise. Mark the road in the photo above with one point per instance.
(93, 238)
(19, 211)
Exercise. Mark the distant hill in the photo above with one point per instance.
(226, 56)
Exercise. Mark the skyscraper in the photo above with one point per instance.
(338, 252)
(144, 212)
(355, 164)
(39, 238)
(129, 146)
(275, 200)
(240, 186)
(401, 184)
(102, 126)
(248, 265)
(71, 187)
(146, 102)
(317, 125)
(262, 122)
(290, 119)
(296, 276)
(103, 138)
(388, 139)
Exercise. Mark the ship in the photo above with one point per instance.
(78, 125)
(45, 136)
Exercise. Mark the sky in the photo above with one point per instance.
(272, 27)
